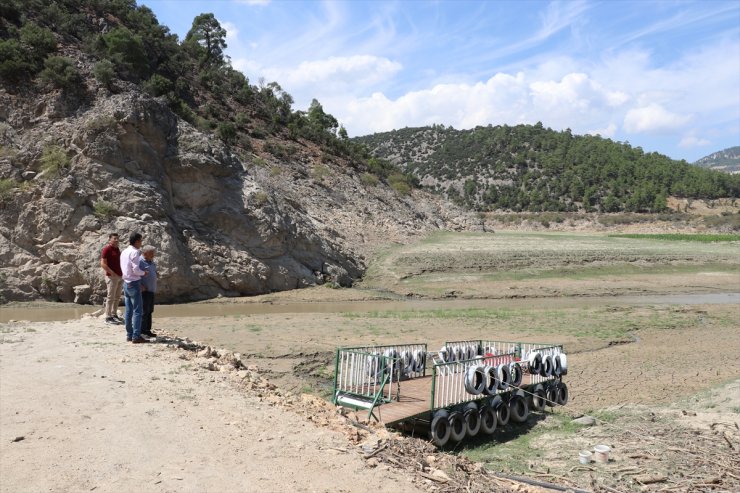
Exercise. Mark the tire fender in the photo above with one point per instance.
(491, 380)
(475, 380)
(420, 361)
(546, 370)
(563, 364)
(457, 426)
(538, 398)
(535, 363)
(472, 419)
(563, 394)
(515, 370)
(519, 409)
(503, 375)
(503, 413)
(488, 420)
(440, 429)
(552, 395)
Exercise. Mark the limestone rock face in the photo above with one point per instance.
(223, 223)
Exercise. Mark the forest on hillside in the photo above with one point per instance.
(533, 168)
(123, 45)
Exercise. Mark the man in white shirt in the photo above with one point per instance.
(132, 275)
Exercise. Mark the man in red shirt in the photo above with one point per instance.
(111, 264)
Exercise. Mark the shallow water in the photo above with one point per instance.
(66, 311)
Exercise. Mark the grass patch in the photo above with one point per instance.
(104, 209)
(699, 237)
(7, 186)
(514, 447)
(449, 314)
(53, 160)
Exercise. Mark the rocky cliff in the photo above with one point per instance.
(225, 222)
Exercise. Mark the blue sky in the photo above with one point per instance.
(663, 75)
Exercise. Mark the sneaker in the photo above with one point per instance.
(128, 339)
(110, 321)
(149, 334)
(118, 320)
(139, 340)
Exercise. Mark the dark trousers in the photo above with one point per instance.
(146, 318)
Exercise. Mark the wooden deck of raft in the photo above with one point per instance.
(416, 398)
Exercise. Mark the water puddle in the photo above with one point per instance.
(45, 312)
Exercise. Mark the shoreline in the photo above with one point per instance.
(92, 412)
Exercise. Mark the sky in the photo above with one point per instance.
(663, 75)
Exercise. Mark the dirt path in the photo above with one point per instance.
(81, 410)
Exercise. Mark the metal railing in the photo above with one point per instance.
(448, 377)
(372, 373)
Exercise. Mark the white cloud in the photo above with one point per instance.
(575, 101)
(357, 69)
(232, 32)
(609, 131)
(653, 118)
(690, 141)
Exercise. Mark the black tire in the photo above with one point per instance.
(420, 361)
(535, 364)
(488, 420)
(503, 413)
(552, 395)
(538, 399)
(503, 375)
(475, 380)
(472, 419)
(515, 371)
(491, 380)
(557, 369)
(519, 409)
(440, 430)
(546, 370)
(562, 394)
(457, 426)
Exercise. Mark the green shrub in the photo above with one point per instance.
(125, 50)
(105, 73)
(13, 62)
(101, 123)
(53, 160)
(7, 185)
(158, 85)
(369, 179)
(39, 42)
(104, 210)
(399, 183)
(226, 132)
(320, 171)
(260, 198)
(60, 72)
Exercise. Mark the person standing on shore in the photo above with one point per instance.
(110, 261)
(148, 288)
(132, 275)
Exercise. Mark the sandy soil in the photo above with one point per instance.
(81, 410)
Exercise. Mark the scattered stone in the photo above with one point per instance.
(146, 217)
(585, 421)
(28, 175)
(18, 439)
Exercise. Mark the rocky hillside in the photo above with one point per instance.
(533, 168)
(727, 160)
(245, 212)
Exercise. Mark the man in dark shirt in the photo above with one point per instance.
(111, 264)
